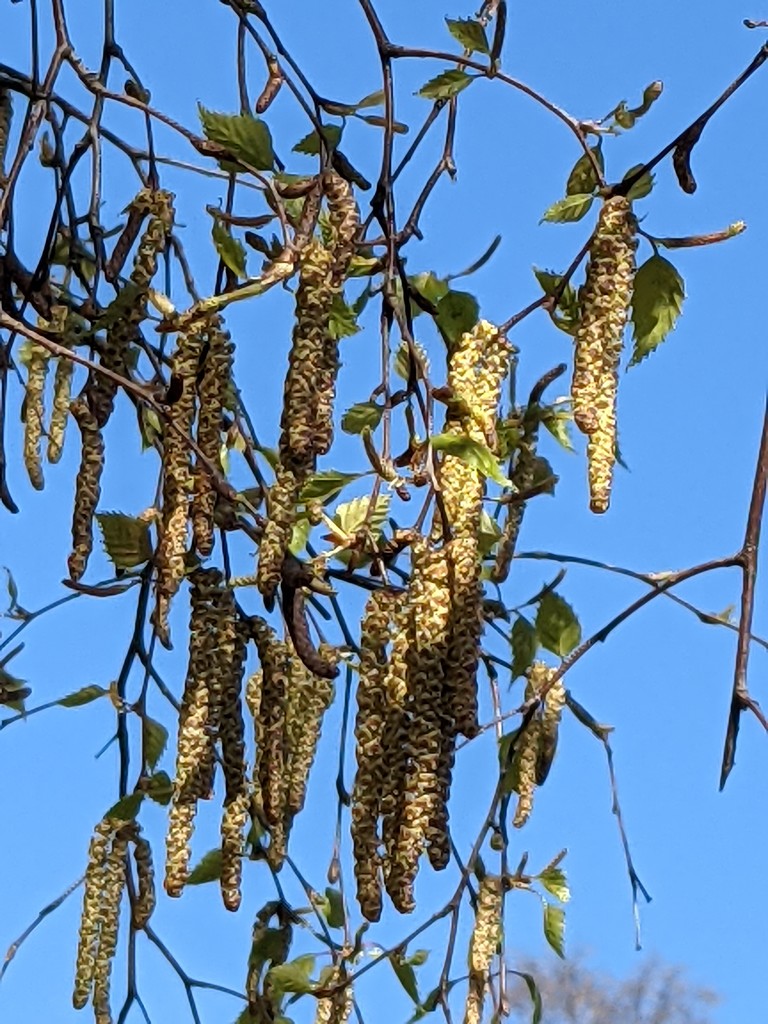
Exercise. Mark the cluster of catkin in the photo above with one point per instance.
(201, 375)
(419, 655)
(93, 406)
(310, 383)
(605, 299)
(287, 703)
(105, 878)
(536, 743)
(211, 729)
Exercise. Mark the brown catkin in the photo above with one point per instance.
(37, 370)
(144, 904)
(62, 388)
(605, 299)
(232, 734)
(177, 481)
(372, 767)
(214, 381)
(336, 1008)
(309, 698)
(486, 936)
(87, 487)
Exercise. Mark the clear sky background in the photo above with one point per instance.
(689, 420)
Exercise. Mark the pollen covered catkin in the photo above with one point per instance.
(486, 936)
(605, 299)
(37, 370)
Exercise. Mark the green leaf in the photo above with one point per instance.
(488, 534)
(155, 737)
(419, 958)
(405, 975)
(350, 516)
(657, 301)
(294, 976)
(126, 539)
(457, 313)
(159, 788)
(582, 180)
(206, 870)
(334, 910)
(310, 144)
(432, 287)
(474, 453)
(557, 626)
(509, 762)
(343, 320)
(13, 590)
(364, 415)
(247, 138)
(572, 208)
(554, 927)
(374, 99)
(642, 186)
(568, 303)
(555, 882)
(300, 532)
(150, 426)
(557, 421)
(83, 696)
(468, 33)
(445, 85)
(325, 486)
(525, 643)
(127, 808)
(533, 990)
(403, 359)
(231, 250)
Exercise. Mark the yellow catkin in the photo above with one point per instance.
(372, 767)
(336, 1008)
(605, 299)
(214, 381)
(486, 936)
(90, 919)
(113, 882)
(194, 752)
(522, 477)
(422, 817)
(62, 387)
(477, 368)
(526, 759)
(551, 713)
(87, 487)
(177, 481)
(37, 371)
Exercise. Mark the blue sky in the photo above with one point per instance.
(689, 419)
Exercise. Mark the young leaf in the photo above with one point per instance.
(657, 301)
(84, 696)
(231, 250)
(572, 208)
(557, 626)
(361, 416)
(432, 287)
(127, 808)
(159, 788)
(351, 516)
(343, 321)
(457, 313)
(488, 534)
(524, 646)
(403, 360)
(473, 453)
(206, 870)
(247, 138)
(405, 975)
(299, 535)
(642, 186)
(445, 85)
(381, 122)
(555, 882)
(582, 180)
(155, 738)
(334, 909)
(294, 976)
(533, 991)
(325, 486)
(310, 144)
(469, 33)
(567, 319)
(374, 99)
(557, 422)
(554, 927)
(126, 539)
